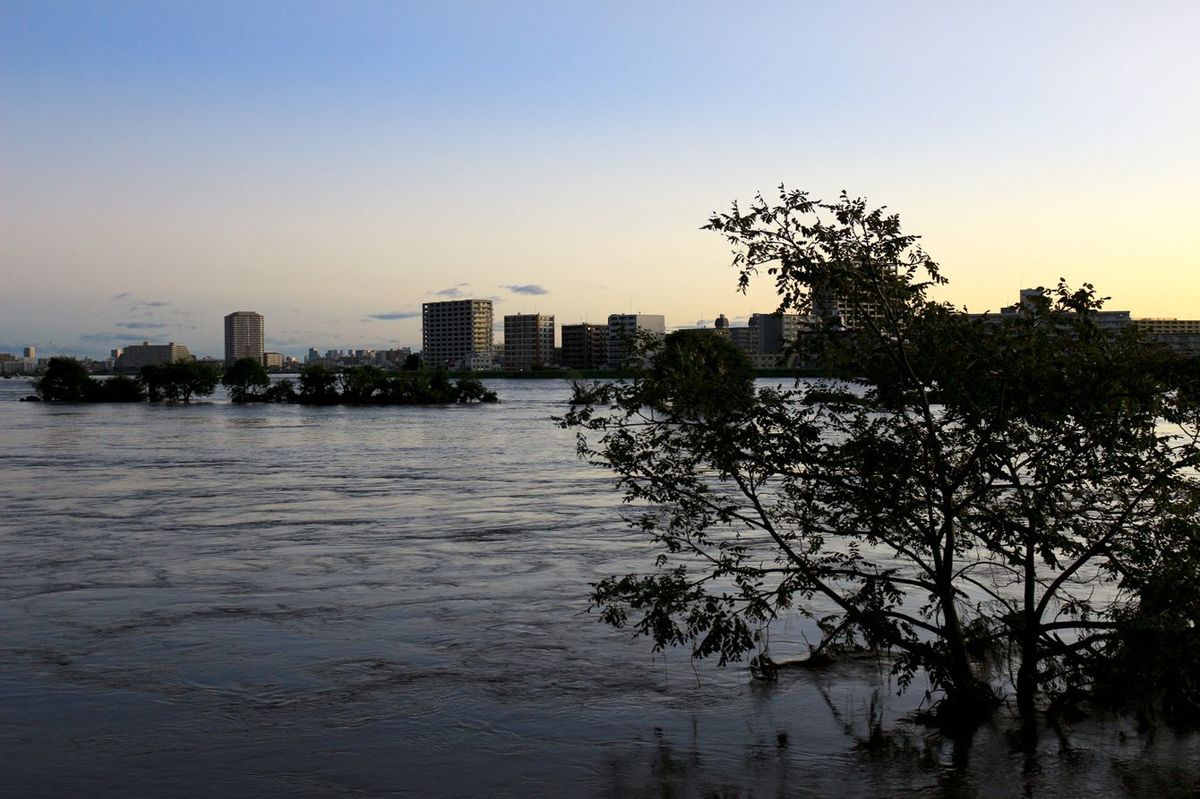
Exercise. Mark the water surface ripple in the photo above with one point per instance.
(252, 601)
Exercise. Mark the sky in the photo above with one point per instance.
(332, 165)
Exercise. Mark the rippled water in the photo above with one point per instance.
(280, 600)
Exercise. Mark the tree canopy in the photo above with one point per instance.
(179, 381)
(67, 380)
(1004, 504)
(246, 379)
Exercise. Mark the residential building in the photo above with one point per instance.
(622, 328)
(842, 311)
(1166, 327)
(528, 340)
(1106, 320)
(457, 334)
(745, 339)
(777, 332)
(584, 346)
(134, 357)
(243, 336)
(1178, 334)
(272, 360)
(765, 338)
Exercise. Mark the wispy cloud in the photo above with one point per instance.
(133, 338)
(526, 288)
(141, 325)
(453, 291)
(109, 338)
(97, 338)
(387, 315)
(124, 295)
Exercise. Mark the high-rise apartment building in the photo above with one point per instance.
(622, 327)
(528, 340)
(457, 334)
(243, 336)
(584, 346)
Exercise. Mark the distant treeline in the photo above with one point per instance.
(67, 380)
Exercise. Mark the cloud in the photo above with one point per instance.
(453, 291)
(124, 295)
(155, 304)
(141, 325)
(135, 339)
(527, 288)
(387, 315)
(109, 338)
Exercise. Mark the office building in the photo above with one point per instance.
(243, 336)
(584, 346)
(528, 341)
(272, 360)
(623, 329)
(457, 334)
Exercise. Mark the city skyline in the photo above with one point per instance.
(336, 167)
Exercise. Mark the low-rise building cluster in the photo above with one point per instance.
(459, 334)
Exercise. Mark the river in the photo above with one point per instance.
(283, 600)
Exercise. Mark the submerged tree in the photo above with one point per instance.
(980, 497)
(246, 380)
(67, 380)
(370, 385)
(179, 381)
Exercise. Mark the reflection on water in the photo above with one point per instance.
(315, 601)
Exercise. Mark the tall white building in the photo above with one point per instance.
(243, 336)
(528, 340)
(457, 334)
(622, 327)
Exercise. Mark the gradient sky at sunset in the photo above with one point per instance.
(334, 165)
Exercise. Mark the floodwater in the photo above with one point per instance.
(292, 601)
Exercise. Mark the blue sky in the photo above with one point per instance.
(332, 166)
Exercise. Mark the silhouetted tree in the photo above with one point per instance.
(246, 379)
(318, 385)
(471, 389)
(412, 362)
(968, 494)
(179, 381)
(67, 380)
(362, 384)
(122, 388)
(283, 391)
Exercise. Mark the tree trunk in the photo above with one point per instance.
(968, 697)
(1028, 636)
